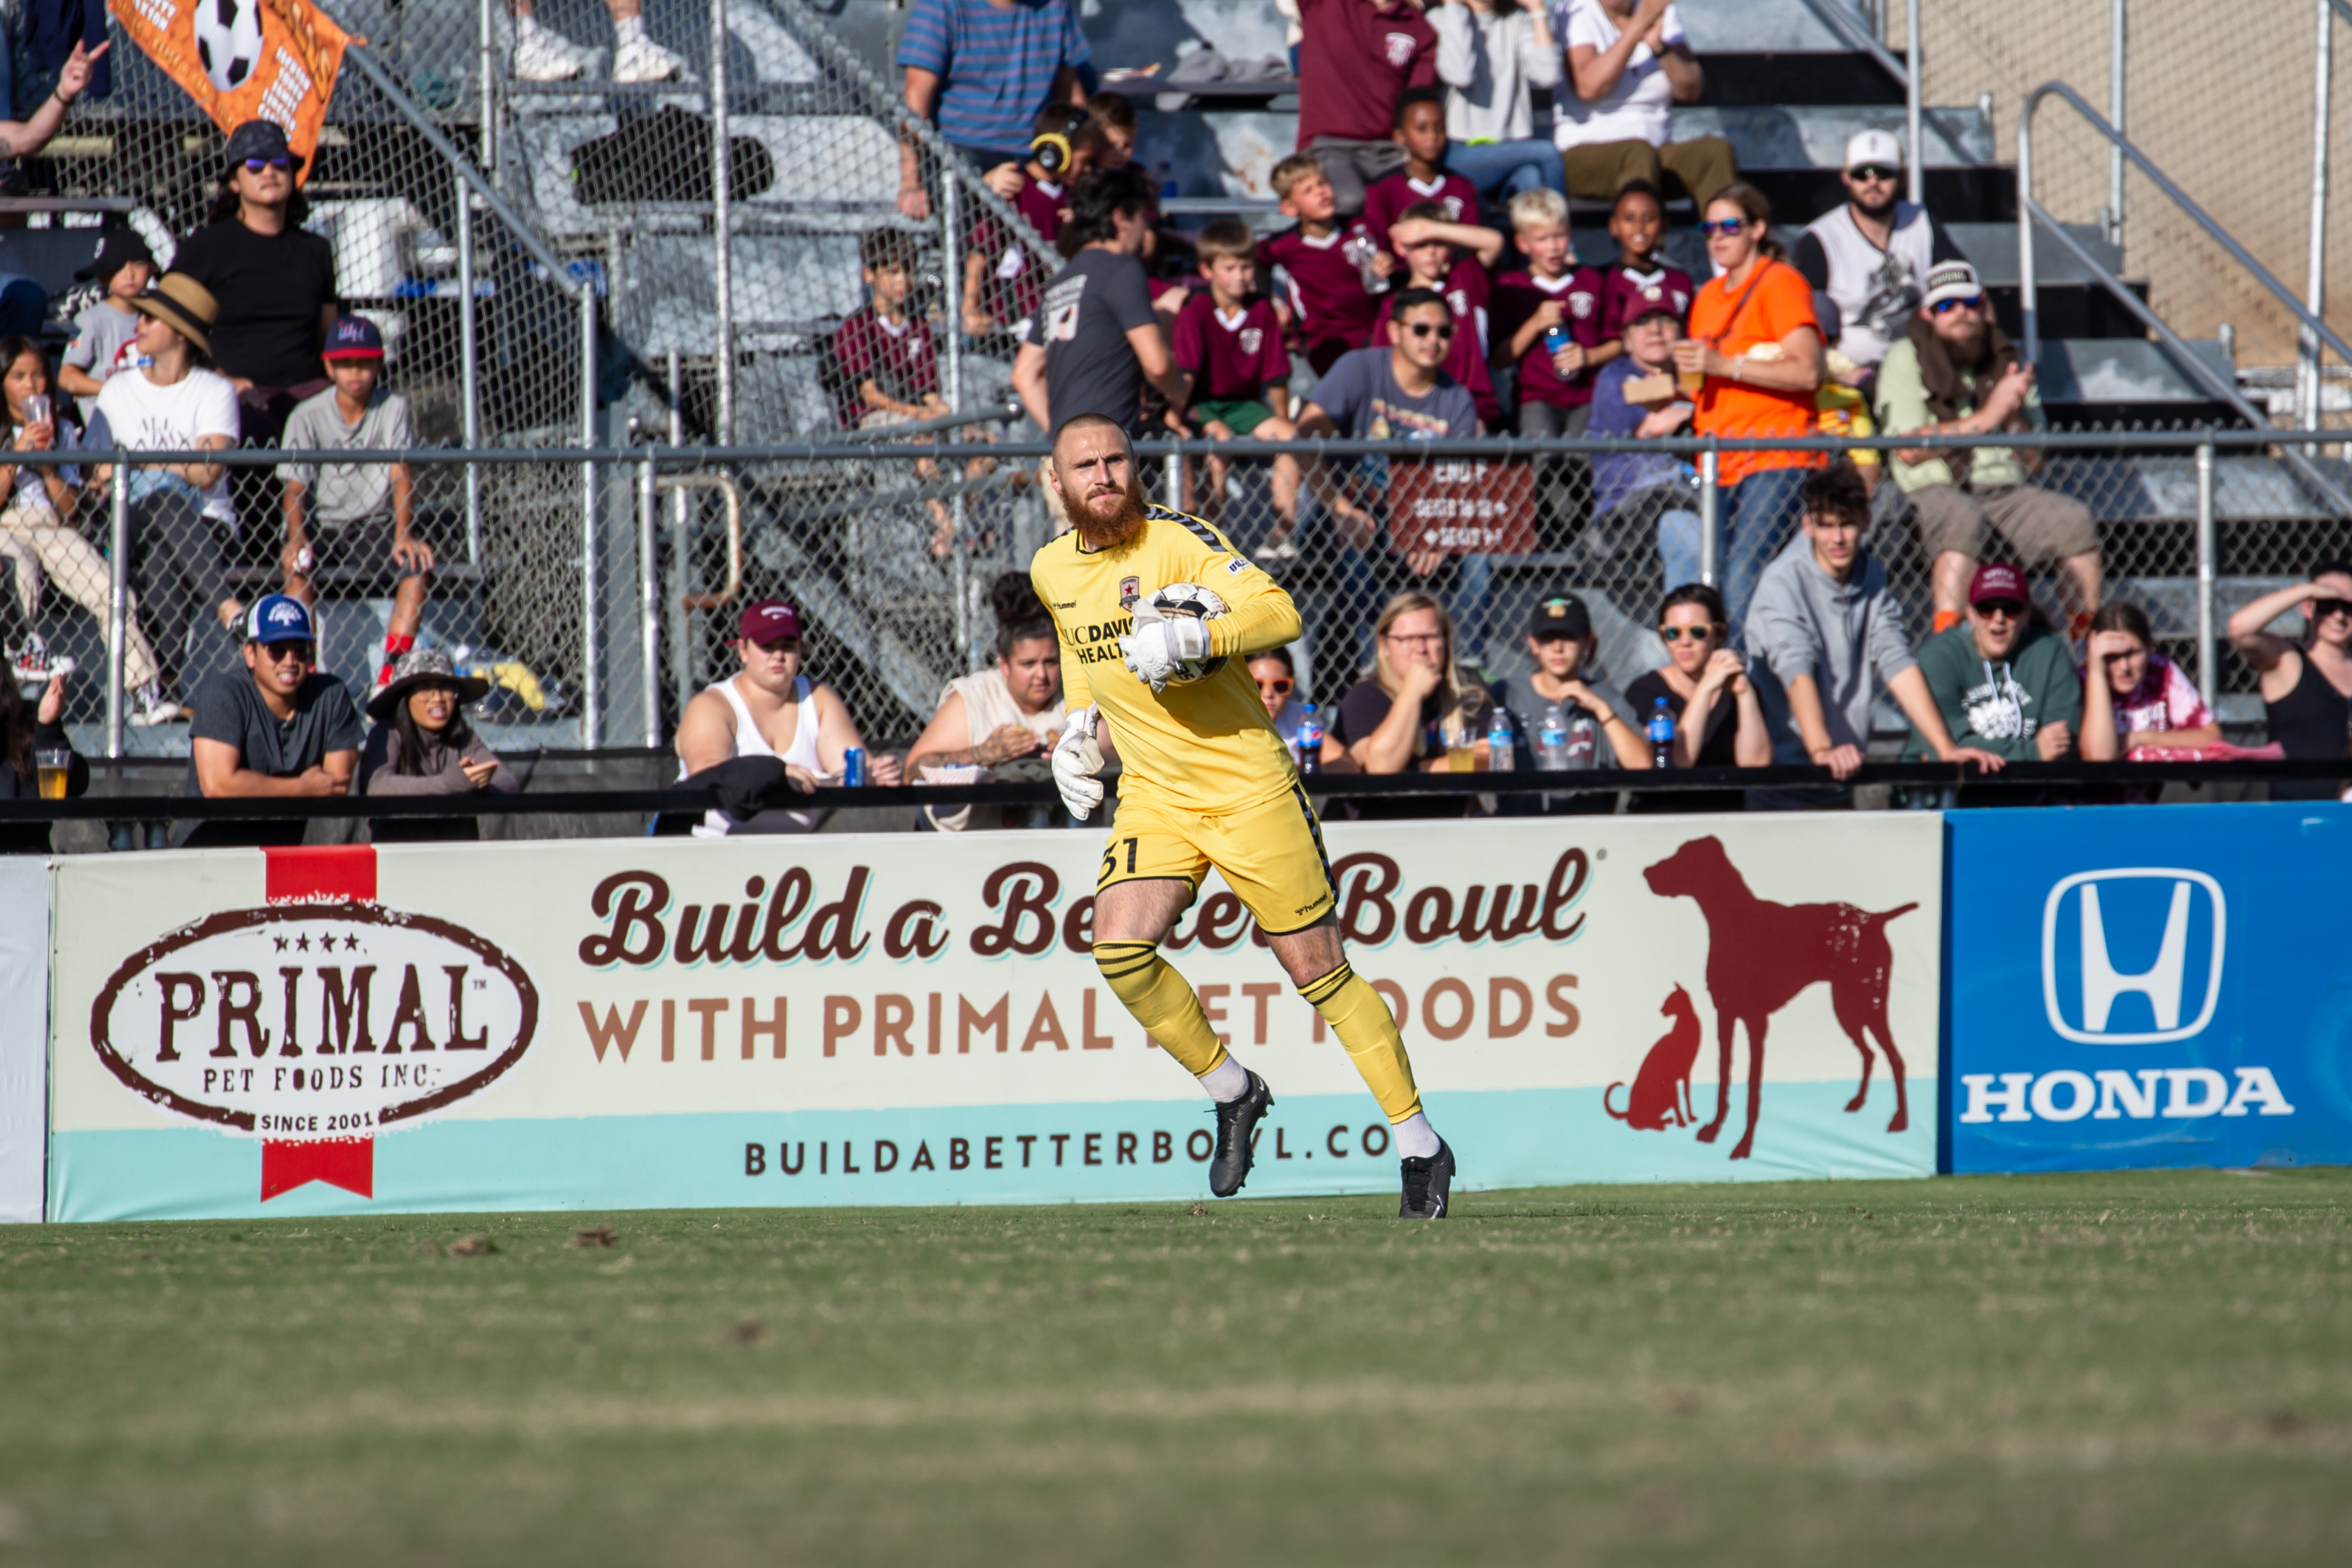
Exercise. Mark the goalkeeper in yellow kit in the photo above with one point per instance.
(1205, 782)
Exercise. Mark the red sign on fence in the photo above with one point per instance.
(1463, 505)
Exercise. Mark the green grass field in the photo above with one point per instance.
(2141, 1368)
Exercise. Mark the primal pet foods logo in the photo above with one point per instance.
(2120, 908)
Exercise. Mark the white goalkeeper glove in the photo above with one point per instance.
(1159, 644)
(1077, 759)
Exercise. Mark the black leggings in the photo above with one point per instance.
(175, 565)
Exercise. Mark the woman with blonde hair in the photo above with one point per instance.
(1414, 705)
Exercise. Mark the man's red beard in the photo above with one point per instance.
(1118, 530)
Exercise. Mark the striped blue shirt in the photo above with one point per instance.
(996, 66)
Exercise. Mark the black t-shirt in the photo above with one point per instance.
(229, 709)
(1366, 707)
(271, 289)
(1089, 308)
(1718, 748)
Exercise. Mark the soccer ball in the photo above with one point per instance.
(228, 40)
(1180, 599)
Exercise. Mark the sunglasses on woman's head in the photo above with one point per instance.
(255, 165)
(1711, 227)
(1431, 328)
(1699, 634)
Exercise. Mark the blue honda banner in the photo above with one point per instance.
(2161, 986)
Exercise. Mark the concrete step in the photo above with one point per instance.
(1758, 25)
(1814, 136)
(1777, 79)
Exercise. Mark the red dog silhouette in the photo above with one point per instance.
(1759, 955)
(1661, 1088)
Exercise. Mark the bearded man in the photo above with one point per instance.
(1872, 253)
(1205, 782)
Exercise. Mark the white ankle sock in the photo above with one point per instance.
(628, 29)
(1227, 1082)
(1415, 1138)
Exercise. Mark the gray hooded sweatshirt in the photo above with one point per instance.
(1848, 636)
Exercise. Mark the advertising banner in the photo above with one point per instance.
(23, 1034)
(917, 1018)
(245, 60)
(2165, 986)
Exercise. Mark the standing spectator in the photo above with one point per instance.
(1553, 293)
(24, 736)
(1719, 716)
(2307, 685)
(1489, 53)
(1955, 372)
(1829, 633)
(1229, 342)
(1639, 497)
(1628, 64)
(280, 728)
(1002, 280)
(422, 744)
(1333, 263)
(122, 270)
(1641, 279)
(2001, 683)
(541, 55)
(993, 718)
(984, 69)
(362, 515)
(1421, 131)
(1758, 348)
(1873, 254)
(1416, 712)
(1356, 61)
(180, 512)
(2134, 698)
(37, 531)
(272, 281)
(1600, 723)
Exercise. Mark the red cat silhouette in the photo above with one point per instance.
(1661, 1088)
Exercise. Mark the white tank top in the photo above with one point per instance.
(750, 742)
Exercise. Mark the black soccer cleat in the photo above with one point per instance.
(1428, 1184)
(1236, 1130)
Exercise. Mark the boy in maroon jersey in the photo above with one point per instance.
(1229, 340)
(1328, 260)
(1551, 293)
(885, 363)
(1640, 280)
(1421, 131)
(1002, 281)
(1428, 243)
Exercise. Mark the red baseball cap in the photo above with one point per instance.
(1996, 581)
(765, 620)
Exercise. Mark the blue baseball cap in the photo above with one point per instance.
(277, 618)
(353, 338)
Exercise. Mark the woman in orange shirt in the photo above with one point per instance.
(1757, 348)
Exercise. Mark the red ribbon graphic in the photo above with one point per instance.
(296, 873)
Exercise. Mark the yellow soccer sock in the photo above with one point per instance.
(1361, 1019)
(1161, 1000)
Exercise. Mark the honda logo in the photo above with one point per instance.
(2113, 948)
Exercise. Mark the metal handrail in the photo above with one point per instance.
(725, 484)
(1857, 36)
(2219, 235)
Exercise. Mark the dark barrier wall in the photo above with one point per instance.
(2163, 985)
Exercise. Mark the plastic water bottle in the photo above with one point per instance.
(1359, 248)
(1662, 735)
(1551, 740)
(1310, 741)
(1170, 187)
(1556, 337)
(1499, 757)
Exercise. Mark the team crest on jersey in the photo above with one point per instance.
(1130, 588)
(1453, 209)
(1458, 301)
(1400, 48)
(1253, 338)
(1580, 305)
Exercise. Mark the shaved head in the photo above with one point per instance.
(1093, 463)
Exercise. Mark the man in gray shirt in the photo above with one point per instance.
(1825, 633)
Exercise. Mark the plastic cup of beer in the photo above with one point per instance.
(52, 763)
(1689, 383)
(1461, 757)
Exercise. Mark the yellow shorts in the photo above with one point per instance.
(1271, 854)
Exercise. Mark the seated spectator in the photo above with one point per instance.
(1640, 278)
(422, 744)
(1598, 723)
(2135, 700)
(102, 339)
(541, 55)
(1719, 716)
(1277, 675)
(1756, 349)
(354, 516)
(885, 360)
(1416, 712)
(1421, 131)
(1428, 243)
(1955, 372)
(1003, 280)
(1355, 63)
(1548, 320)
(180, 512)
(1637, 497)
(993, 719)
(1872, 253)
(984, 69)
(1828, 632)
(1489, 53)
(2307, 685)
(769, 708)
(2001, 683)
(29, 733)
(1229, 342)
(1338, 270)
(1115, 113)
(37, 531)
(1628, 64)
(280, 728)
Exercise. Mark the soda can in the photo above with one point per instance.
(853, 768)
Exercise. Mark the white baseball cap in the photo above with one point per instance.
(1950, 280)
(1867, 148)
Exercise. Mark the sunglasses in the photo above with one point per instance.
(1711, 227)
(2004, 607)
(1279, 683)
(1874, 171)
(2323, 608)
(1696, 633)
(255, 165)
(1946, 307)
(278, 653)
(1430, 329)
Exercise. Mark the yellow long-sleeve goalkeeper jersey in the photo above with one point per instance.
(1207, 745)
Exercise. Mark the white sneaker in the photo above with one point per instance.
(151, 708)
(542, 56)
(641, 60)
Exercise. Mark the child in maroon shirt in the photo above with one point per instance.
(886, 364)
(1356, 59)
(1640, 279)
(1003, 280)
(1329, 262)
(1551, 294)
(1229, 340)
(1421, 131)
(1427, 242)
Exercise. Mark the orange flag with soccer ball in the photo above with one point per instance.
(245, 60)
